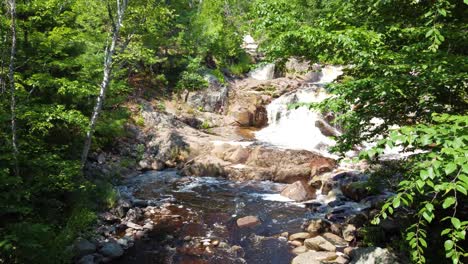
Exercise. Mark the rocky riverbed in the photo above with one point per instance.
(216, 181)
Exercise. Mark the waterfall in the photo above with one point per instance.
(300, 128)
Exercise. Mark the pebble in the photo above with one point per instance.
(187, 238)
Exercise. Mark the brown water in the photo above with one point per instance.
(207, 207)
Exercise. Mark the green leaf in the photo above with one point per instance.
(448, 202)
(427, 216)
(423, 242)
(449, 168)
(455, 222)
(448, 245)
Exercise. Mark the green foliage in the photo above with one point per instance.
(407, 60)
(436, 184)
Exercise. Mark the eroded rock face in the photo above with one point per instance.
(212, 99)
(248, 109)
(299, 191)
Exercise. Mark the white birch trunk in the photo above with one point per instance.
(11, 77)
(110, 50)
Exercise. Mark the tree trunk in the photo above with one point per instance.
(11, 77)
(110, 50)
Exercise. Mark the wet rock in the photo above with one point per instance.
(187, 238)
(83, 247)
(237, 251)
(326, 188)
(112, 250)
(358, 220)
(318, 226)
(312, 257)
(248, 221)
(248, 109)
(299, 236)
(336, 229)
(355, 191)
(373, 255)
(215, 243)
(299, 191)
(88, 259)
(349, 233)
(319, 243)
(335, 240)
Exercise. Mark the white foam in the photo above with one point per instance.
(296, 128)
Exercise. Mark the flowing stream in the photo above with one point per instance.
(207, 208)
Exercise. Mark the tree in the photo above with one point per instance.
(11, 77)
(107, 75)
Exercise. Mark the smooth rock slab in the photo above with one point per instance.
(312, 257)
(320, 244)
(112, 250)
(248, 221)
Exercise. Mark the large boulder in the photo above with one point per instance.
(299, 191)
(318, 226)
(263, 72)
(373, 255)
(212, 99)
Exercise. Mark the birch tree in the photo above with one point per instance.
(109, 53)
(11, 77)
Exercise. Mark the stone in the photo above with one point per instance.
(358, 220)
(340, 260)
(284, 234)
(312, 257)
(240, 155)
(299, 236)
(134, 226)
(248, 221)
(320, 244)
(299, 191)
(111, 250)
(187, 238)
(148, 226)
(373, 255)
(299, 250)
(347, 250)
(296, 243)
(83, 247)
(88, 259)
(335, 240)
(318, 226)
(349, 232)
(215, 243)
(336, 229)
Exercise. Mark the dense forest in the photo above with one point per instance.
(71, 72)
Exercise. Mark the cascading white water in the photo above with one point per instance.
(296, 128)
(263, 73)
